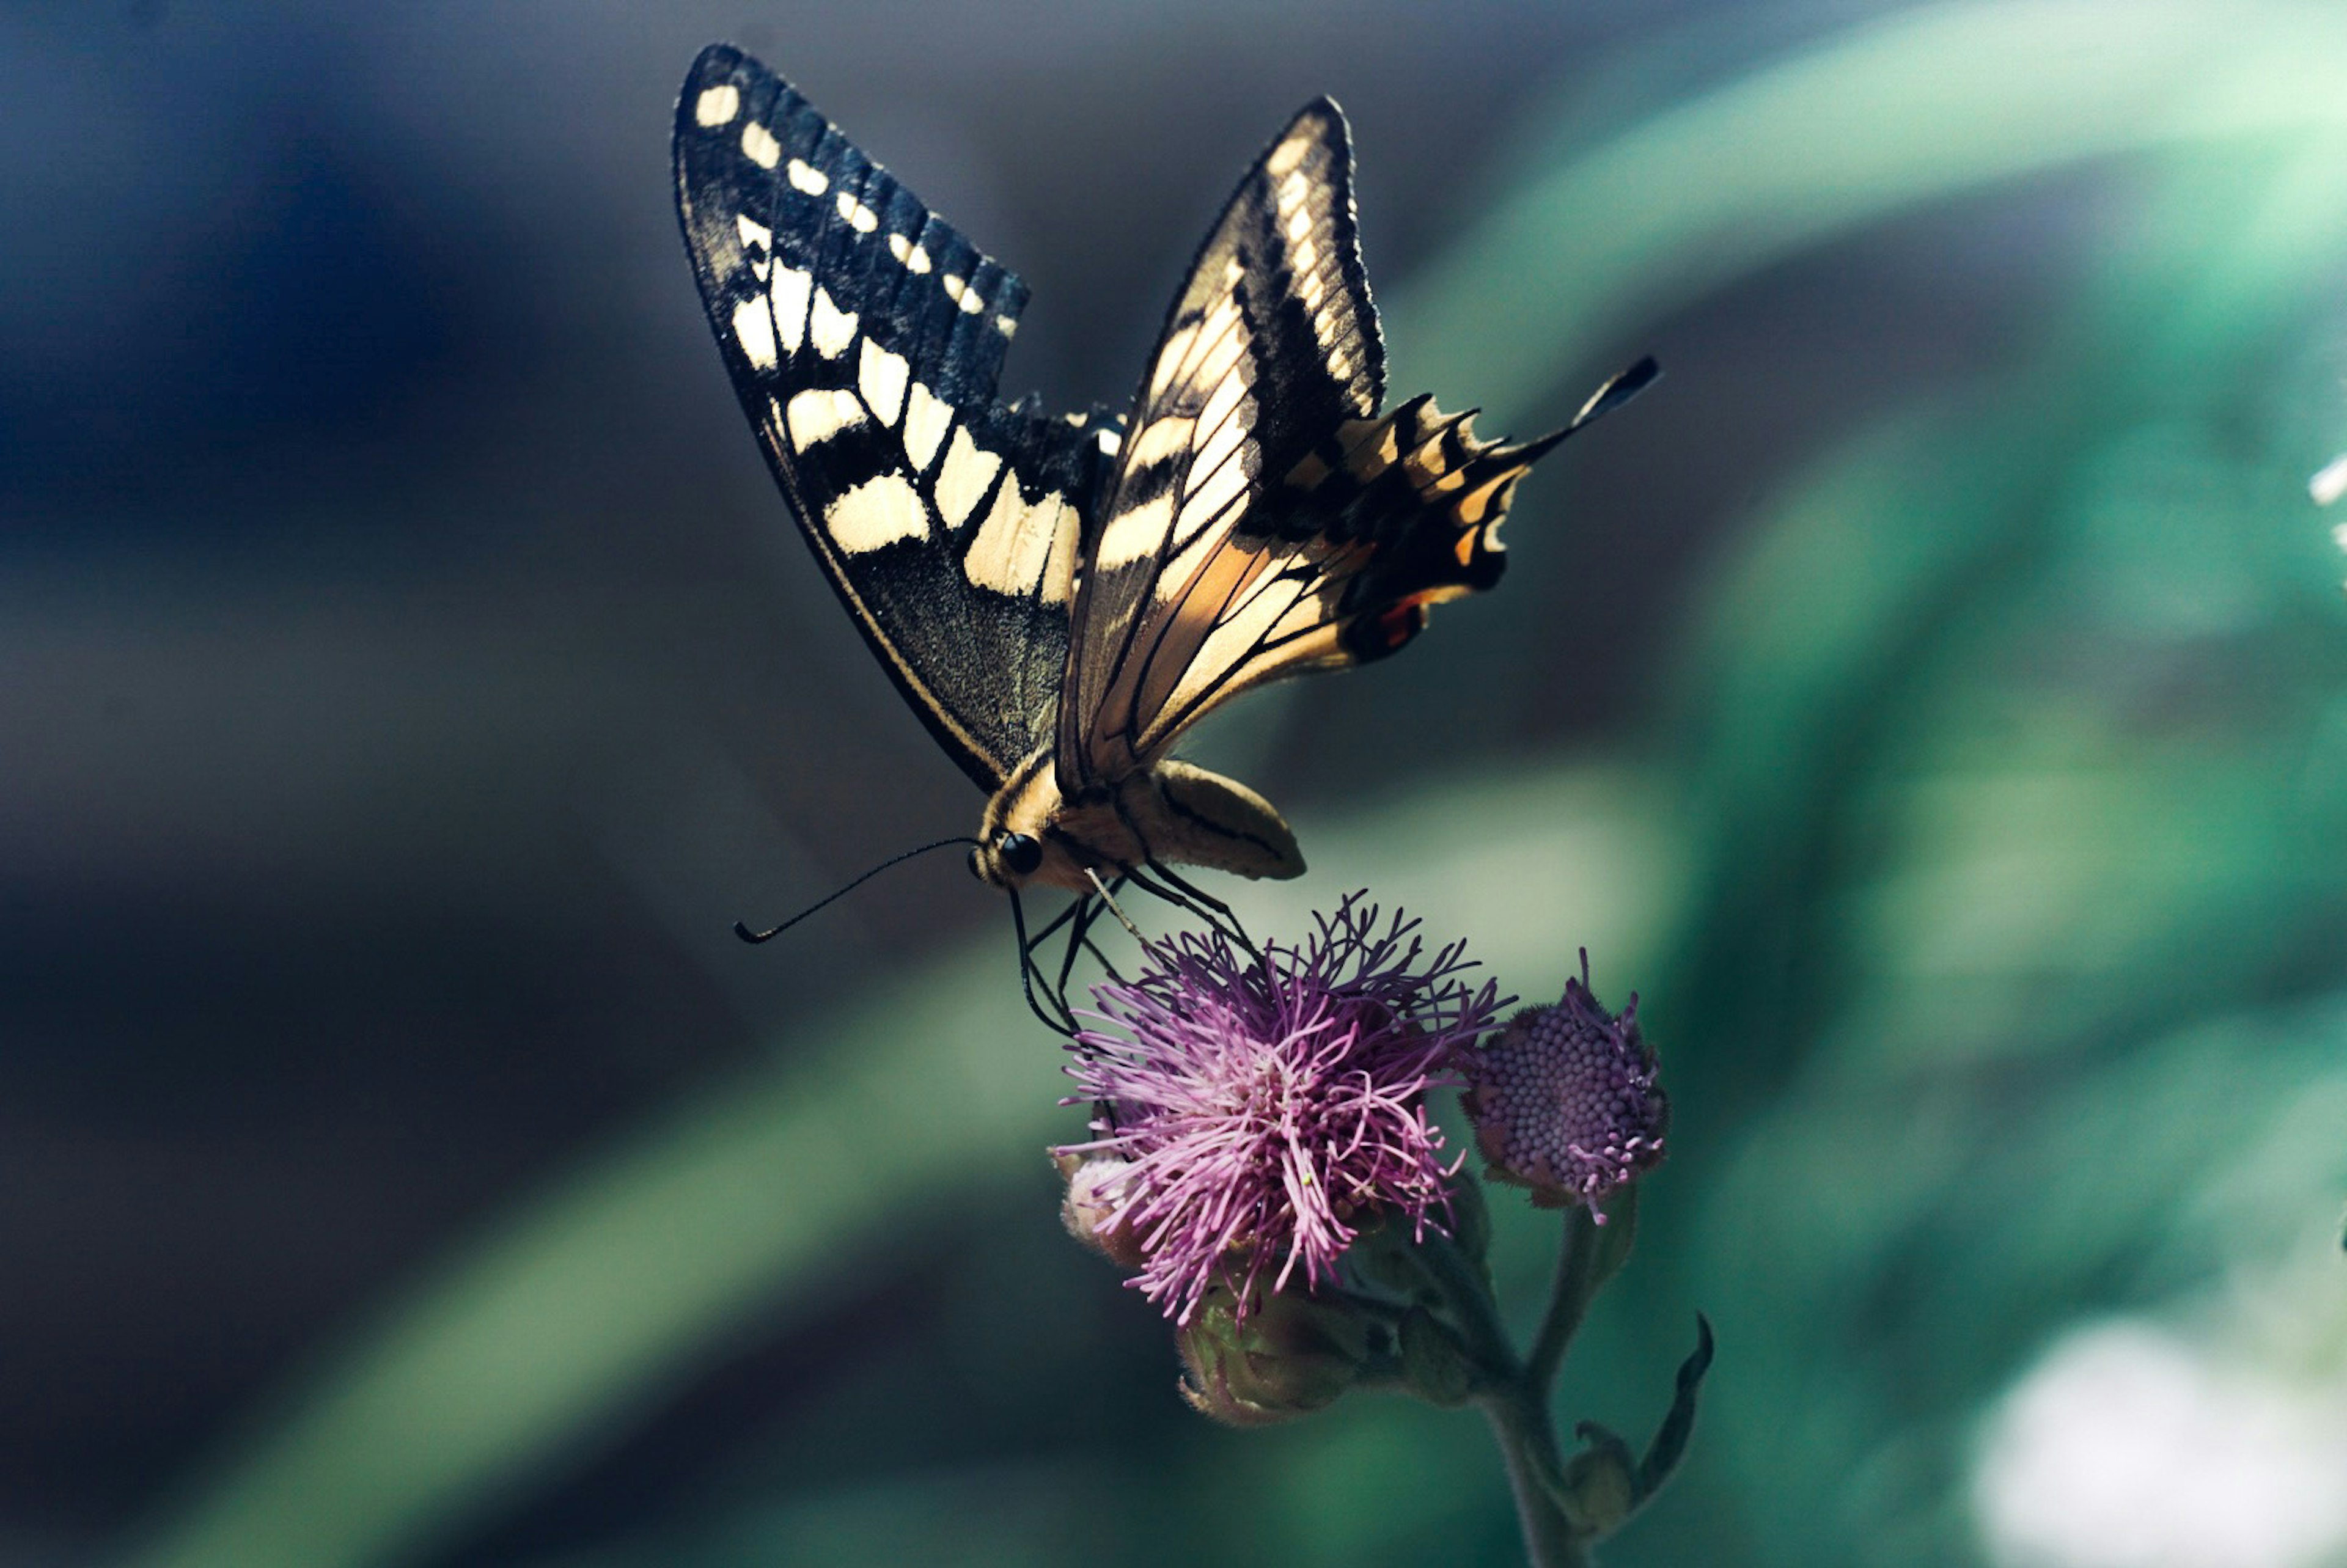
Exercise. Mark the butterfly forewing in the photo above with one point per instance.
(866, 339)
(1271, 344)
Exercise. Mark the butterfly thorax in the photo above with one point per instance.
(1172, 811)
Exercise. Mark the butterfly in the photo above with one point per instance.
(1061, 597)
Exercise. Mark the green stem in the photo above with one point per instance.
(1516, 1407)
(1568, 1302)
(1520, 1423)
(1587, 1256)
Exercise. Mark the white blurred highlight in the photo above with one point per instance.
(2330, 482)
(2128, 1447)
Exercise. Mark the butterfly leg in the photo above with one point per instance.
(1080, 939)
(1059, 1020)
(1178, 891)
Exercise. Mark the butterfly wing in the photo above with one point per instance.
(865, 337)
(1262, 519)
(1271, 344)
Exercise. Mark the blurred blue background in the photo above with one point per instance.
(1930, 698)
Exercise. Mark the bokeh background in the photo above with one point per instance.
(1933, 698)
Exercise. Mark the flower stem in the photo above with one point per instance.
(1520, 1423)
(1588, 1256)
(1516, 1407)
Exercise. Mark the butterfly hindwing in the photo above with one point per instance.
(865, 337)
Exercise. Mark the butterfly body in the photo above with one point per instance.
(1061, 598)
(1172, 811)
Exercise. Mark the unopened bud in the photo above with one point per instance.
(1091, 1207)
(1289, 1355)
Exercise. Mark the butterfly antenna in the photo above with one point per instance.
(747, 935)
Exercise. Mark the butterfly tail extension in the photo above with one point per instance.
(1421, 498)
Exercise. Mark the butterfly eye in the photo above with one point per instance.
(1019, 854)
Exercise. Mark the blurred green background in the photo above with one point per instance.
(1933, 698)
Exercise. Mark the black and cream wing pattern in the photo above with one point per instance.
(1061, 597)
(865, 337)
(1262, 519)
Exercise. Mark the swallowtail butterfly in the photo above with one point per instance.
(1059, 598)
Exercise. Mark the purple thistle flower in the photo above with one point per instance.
(1265, 1104)
(1564, 1102)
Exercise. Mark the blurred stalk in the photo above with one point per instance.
(1892, 115)
(1932, 533)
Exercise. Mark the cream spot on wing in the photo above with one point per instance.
(1288, 155)
(718, 105)
(1135, 535)
(1299, 223)
(860, 218)
(1110, 441)
(1162, 438)
(830, 329)
(790, 290)
(962, 482)
(1177, 347)
(755, 236)
(1305, 256)
(805, 177)
(927, 417)
(1223, 405)
(759, 146)
(1340, 365)
(819, 414)
(1006, 326)
(916, 259)
(953, 286)
(1490, 495)
(1292, 193)
(1014, 548)
(754, 329)
(882, 375)
(1059, 579)
(1228, 342)
(1222, 488)
(879, 511)
(1231, 643)
(1175, 581)
(1221, 449)
(971, 304)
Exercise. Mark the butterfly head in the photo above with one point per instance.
(1006, 859)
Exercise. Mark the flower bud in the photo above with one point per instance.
(1601, 1482)
(1286, 1355)
(1435, 1365)
(1091, 1207)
